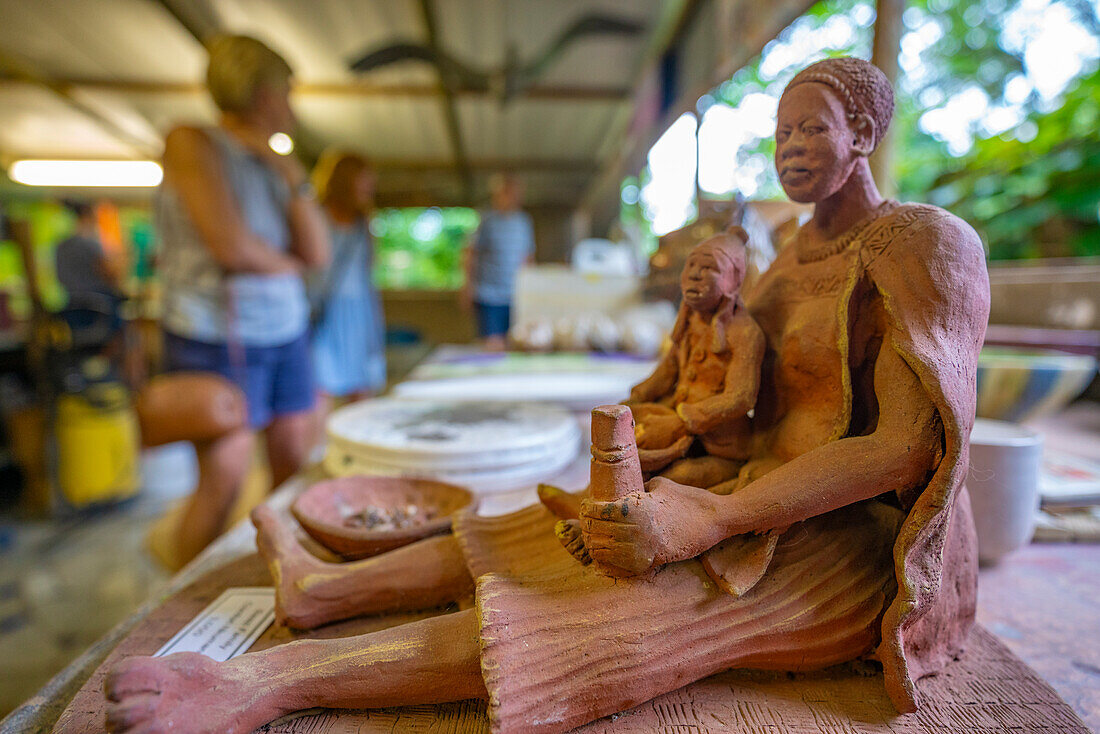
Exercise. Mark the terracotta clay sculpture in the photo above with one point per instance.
(872, 319)
(702, 390)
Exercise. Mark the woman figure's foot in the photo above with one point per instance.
(563, 505)
(187, 692)
(295, 571)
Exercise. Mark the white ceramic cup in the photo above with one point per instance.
(1005, 459)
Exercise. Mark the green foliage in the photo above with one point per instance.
(1039, 198)
(421, 248)
(1032, 190)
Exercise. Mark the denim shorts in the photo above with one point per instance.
(492, 320)
(276, 380)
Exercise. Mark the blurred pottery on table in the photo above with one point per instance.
(364, 516)
(1017, 384)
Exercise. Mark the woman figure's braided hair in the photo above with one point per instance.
(861, 86)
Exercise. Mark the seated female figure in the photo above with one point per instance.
(873, 318)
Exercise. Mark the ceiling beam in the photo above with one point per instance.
(446, 197)
(336, 89)
(450, 109)
(434, 166)
(197, 17)
(16, 68)
(532, 165)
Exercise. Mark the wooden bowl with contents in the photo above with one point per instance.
(364, 516)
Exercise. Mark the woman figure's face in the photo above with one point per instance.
(705, 281)
(815, 146)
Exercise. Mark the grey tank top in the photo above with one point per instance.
(201, 300)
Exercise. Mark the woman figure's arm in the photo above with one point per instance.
(671, 522)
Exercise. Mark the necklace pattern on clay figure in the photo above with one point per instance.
(809, 253)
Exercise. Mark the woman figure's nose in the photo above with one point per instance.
(793, 147)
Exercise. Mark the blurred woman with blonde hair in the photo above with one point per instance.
(238, 225)
(349, 332)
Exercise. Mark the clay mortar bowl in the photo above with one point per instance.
(328, 510)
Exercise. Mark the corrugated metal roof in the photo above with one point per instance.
(136, 65)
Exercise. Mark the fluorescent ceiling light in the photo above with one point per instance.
(281, 143)
(85, 173)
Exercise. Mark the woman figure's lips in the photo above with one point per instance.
(795, 173)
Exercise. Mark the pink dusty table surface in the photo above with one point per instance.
(1043, 602)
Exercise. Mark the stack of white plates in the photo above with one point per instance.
(487, 447)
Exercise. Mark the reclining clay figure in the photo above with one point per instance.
(872, 318)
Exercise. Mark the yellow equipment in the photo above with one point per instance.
(97, 445)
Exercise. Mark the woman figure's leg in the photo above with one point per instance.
(431, 661)
(223, 463)
(310, 592)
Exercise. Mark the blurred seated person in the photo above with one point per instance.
(691, 414)
(238, 225)
(504, 242)
(349, 334)
(91, 277)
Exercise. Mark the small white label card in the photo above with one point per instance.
(228, 626)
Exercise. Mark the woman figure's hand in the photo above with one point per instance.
(637, 533)
(695, 418)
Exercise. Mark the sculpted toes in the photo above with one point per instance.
(133, 675)
(264, 517)
(570, 536)
(134, 710)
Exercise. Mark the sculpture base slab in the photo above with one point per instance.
(988, 689)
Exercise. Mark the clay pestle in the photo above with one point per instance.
(616, 470)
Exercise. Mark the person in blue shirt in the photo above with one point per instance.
(504, 242)
(349, 332)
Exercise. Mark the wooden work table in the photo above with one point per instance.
(1042, 601)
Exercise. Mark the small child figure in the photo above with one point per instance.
(705, 386)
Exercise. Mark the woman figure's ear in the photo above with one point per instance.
(863, 134)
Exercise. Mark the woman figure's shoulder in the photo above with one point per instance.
(920, 230)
